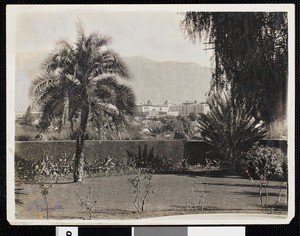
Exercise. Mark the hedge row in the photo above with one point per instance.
(177, 150)
(96, 150)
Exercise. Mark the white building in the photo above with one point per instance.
(187, 108)
(171, 109)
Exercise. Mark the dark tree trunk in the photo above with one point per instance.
(79, 156)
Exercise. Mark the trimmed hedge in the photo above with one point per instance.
(194, 151)
(96, 150)
(276, 143)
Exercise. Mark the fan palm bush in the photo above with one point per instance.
(230, 128)
(79, 84)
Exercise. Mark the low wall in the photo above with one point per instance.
(193, 151)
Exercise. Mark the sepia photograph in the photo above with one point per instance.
(150, 114)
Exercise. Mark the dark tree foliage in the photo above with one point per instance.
(251, 53)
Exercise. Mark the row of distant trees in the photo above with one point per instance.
(168, 127)
(80, 81)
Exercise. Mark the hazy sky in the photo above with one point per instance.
(152, 31)
(155, 35)
(152, 34)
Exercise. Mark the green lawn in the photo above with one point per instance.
(114, 196)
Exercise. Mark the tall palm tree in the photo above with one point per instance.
(81, 80)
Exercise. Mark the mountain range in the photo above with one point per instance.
(151, 80)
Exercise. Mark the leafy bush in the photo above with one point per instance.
(266, 164)
(108, 167)
(46, 168)
(146, 159)
(25, 133)
(133, 132)
(230, 128)
(63, 134)
(25, 169)
(23, 138)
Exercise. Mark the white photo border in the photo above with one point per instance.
(205, 219)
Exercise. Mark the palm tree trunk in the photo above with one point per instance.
(79, 156)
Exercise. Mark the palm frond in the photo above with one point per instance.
(64, 44)
(95, 41)
(107, 94)
(80, 30)
(53, 106)
(111, 63)
(126, 101)
(72, 79)
(109, 108)
(60, 57)
(41, 86)
(120, 94)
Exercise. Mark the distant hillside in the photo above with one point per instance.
(152, 80)
(170, 80)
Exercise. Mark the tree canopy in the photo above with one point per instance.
(251, 54)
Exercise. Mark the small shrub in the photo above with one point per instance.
(45, 189)
(56, 168)
(146, 159)
(23, 137)
(195, 198)
(64, 134)
(181, 166)
(88, 204)
(143, 190)
(64, 166)
(25, 169)
(212, 164)
(99, 168)
(265, 164)
(25, 133)
(109, 167)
